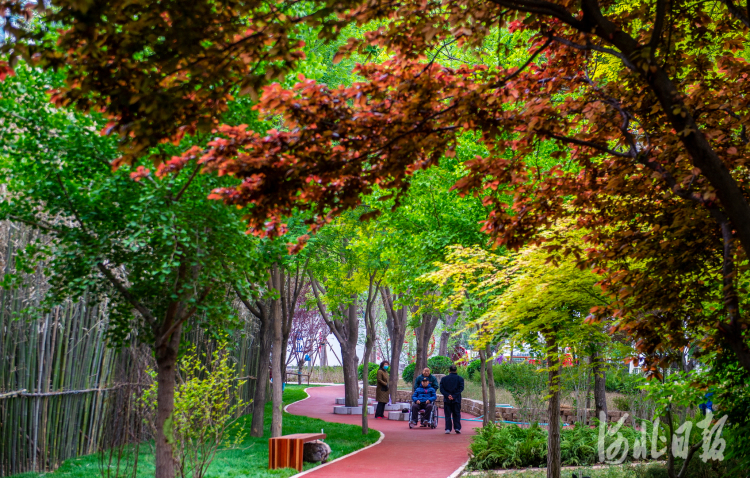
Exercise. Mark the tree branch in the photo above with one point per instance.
(186, 316)
(128, 296)
(38, 223)
(592, 47)
(734, 10)
(187, 184)
(661, 10)
(525, 65)
(580, 142)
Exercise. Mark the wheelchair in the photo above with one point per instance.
(425, 421)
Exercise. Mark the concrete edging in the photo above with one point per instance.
(460, 470)
(382, 436)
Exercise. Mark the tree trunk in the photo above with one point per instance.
(365, 386)
(424, 334)
(396, 325)
(483, 375)
(553, 410)
(600, 379)
(300, 365)
(492, 401)
(277, 355)
(265, 338)
(446, 334)
(324, 354)
(346, 331)
(351, 392)
(166, 360)
(397, 345)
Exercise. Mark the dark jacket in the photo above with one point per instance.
(418, 381)
(380, 394)
(424, 394)
(452, 384)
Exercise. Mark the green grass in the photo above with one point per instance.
(250, 459)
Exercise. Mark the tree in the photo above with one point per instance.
(396, 320)
(332, 276)
(553, 302)
(308, 329)
(160, 70)
(649, 138)
(286, 288)
(155, 246)
(469, 279)
(449, 321)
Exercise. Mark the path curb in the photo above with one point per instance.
(459, 471)
(382, 436)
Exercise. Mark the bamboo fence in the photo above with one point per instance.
(55, 371)
(63, 392)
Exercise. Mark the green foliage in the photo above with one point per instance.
(622, 403)
(371, 366)
(516, 376)
(676, 390)
(620, 380)
(731, 387)
(108, 228)
(372, 376)
(510, 446)
(439, 364)
(473, 368)
(408, 373)
(204, 410)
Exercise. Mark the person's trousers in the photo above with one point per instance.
(380, 409)
(452, 415)
(427, 407)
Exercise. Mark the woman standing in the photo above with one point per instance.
(381, 392)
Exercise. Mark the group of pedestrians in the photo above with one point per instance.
(425, 394)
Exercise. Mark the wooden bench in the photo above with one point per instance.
(286, 451)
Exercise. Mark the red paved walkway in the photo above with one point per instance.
(403, 451)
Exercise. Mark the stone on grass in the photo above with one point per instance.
(316, 451)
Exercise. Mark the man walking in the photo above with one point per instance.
(451, 387)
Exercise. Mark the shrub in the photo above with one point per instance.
(372, 376)
(204, 409)
(439, 364)
(512, 376)
(622, 403)
(369, 368)
(620, 380)
(408, 373)
(461, 370)
(473, 367)
(510, 446)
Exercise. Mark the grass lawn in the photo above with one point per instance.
(250, 459)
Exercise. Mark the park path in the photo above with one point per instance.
(403, 452)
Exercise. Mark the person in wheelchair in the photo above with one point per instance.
(423, 398)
